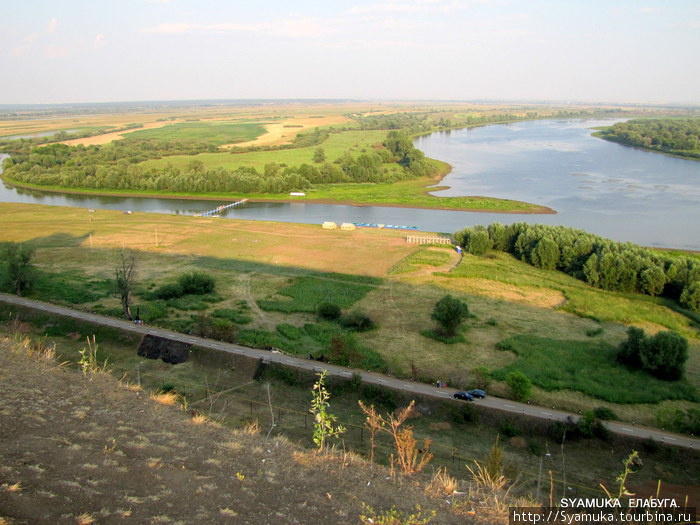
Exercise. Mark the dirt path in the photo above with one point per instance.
(261, 317)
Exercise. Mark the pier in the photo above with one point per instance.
(221, 208)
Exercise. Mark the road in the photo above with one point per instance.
(503, 405)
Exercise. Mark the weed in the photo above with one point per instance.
(88, 362)
(629, 463)
(407, 453)
(324, 422)
(442, 484)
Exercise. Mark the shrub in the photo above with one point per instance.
(662, 355)
(508, 428)
(329, 311)
(168, 291)
(357, 321)
(449, 312)
(604, 413)
(519, 385)
(438, 336)
(197, 283)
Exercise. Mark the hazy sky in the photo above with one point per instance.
(564, 50)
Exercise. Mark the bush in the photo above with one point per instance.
(604, 413)
(442, 338)
(508, 428)
(196, 283)
(357, 321)
(662, 355)
(449, 312)
(519, 385)
(329, 311)
(168, 291)
(589, 426)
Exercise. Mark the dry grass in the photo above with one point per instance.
(442, 484)
(128, 456)
(165, 398)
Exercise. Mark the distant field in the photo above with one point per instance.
(217, 133)
(335, 146)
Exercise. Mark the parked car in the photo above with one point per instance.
(465, 396)
(477, 392)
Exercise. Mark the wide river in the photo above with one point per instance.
(615, 191)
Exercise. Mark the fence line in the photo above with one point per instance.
(449, 456)
(418, 239)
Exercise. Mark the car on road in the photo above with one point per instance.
(477, 392)
(465, 396)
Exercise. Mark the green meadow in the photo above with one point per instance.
(217, 133)
(335, 146)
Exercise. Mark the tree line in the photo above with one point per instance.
(600, 262)
(117, 166)
(679, 137)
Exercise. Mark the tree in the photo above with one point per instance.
(630, 351)
(653, 280)
(479, 243)
(319, 155)
(664, 355)
(20, 271)
(519, 385)
(690, 298)
(124, 273)
(449, 313)
(546, 254)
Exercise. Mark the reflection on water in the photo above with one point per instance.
(615, 191)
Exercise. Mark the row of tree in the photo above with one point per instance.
(600, 262)
(675, 136)
(117, 166)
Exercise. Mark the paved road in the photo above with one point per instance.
(624, 429)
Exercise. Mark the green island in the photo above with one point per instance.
(678, 137)
(364, 158)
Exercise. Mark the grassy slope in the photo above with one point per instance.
(91, 450)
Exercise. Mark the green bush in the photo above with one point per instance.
(196, 283)
(519, 385)
(438, 336)
(357, 321)
(168, 291)
(604, 413)
(329, 311)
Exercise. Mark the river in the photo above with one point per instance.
(622, 193)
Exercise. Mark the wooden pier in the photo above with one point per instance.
(221, 208)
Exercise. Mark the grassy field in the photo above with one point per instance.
(270, 277)
(335, 146)
(217, 133)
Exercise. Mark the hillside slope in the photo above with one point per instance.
(88, 449)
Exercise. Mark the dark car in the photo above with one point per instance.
(466, 396)
(481, 394)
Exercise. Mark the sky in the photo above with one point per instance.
(72, 51)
